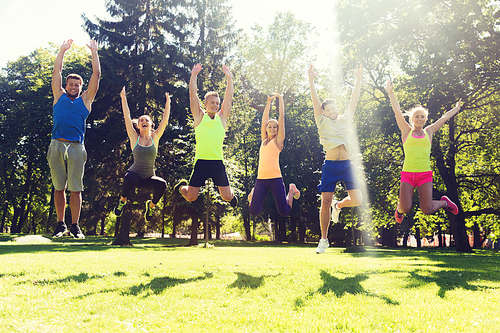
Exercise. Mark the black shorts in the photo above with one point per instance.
(204, 169)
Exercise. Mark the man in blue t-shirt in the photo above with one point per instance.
(67, 154)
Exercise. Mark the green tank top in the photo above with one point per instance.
(417, 153)
(209, 135)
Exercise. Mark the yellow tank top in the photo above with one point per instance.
(209, 136)
(417, 153)
(269, 164)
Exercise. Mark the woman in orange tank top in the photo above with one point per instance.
(269, 174)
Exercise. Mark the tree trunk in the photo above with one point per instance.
(417, 236)
(206, 226)
(4, 216)
(440, 237)
(117, 226)
(123, 238)
(447, 173)
(388, 236)
(477, 236)
(459, 231)
(302, 231)
(217, 227)
(51, 211)
(246, 225)
(194, 230)
(103, 225)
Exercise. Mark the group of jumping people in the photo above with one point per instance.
(67, 155)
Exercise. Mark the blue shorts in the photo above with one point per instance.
(335, 171)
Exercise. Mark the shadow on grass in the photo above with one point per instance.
(446, 281)
(79, 278)
(340, 287)
(454, 270)
(245, 281)
(158, 284)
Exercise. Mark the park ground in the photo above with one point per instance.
(161, 285)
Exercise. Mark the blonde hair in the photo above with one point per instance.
(211, 93)
(412, 111)
(273, 120)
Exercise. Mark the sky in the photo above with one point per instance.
(28, 24)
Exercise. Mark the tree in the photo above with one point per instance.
(26, 101)
(145, 49)
(442, 51)
(276, 60)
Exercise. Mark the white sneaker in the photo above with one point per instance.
(322, 246)
(335, 212)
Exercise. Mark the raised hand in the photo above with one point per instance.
(66, 45)
(312, 74)
(122, 93)
(196, 69)
(167, 96)
(227, 71)
(92, 45)
(270, 98)
(389, 86)
(358, 72)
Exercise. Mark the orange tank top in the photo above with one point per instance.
(269, 164)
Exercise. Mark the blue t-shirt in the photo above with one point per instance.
(69, 119)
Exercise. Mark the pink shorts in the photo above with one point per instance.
(416, 179)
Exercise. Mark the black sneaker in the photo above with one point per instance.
(181, 182)
(76, 232)
(61, 230)
(234, 201)
(148, 213)
(119, 208)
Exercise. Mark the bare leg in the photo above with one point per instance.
(427, 205)
(75, 204)
(60, 204)
(405, 197)
(190, 193)
(353, 199)
(289, 197)
(226, 193)
(324, 213)
(250, 196)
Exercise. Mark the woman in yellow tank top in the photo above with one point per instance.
(269, 174)
(416, 171)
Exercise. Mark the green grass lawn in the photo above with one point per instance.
(159, 285)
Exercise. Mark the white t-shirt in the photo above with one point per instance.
(333, 133)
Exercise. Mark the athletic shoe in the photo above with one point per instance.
(148, 213)
(234, 201)
(335, 211)
(61, 230)
(398, 216)
(181, 182)
(76, 232)
(119, 208)
(296, 193)
(322, 246)
(450, 205)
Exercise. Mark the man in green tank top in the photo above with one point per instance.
(210, 126)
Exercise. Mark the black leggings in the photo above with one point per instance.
(131, 180)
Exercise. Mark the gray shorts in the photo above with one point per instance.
(67, 162)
